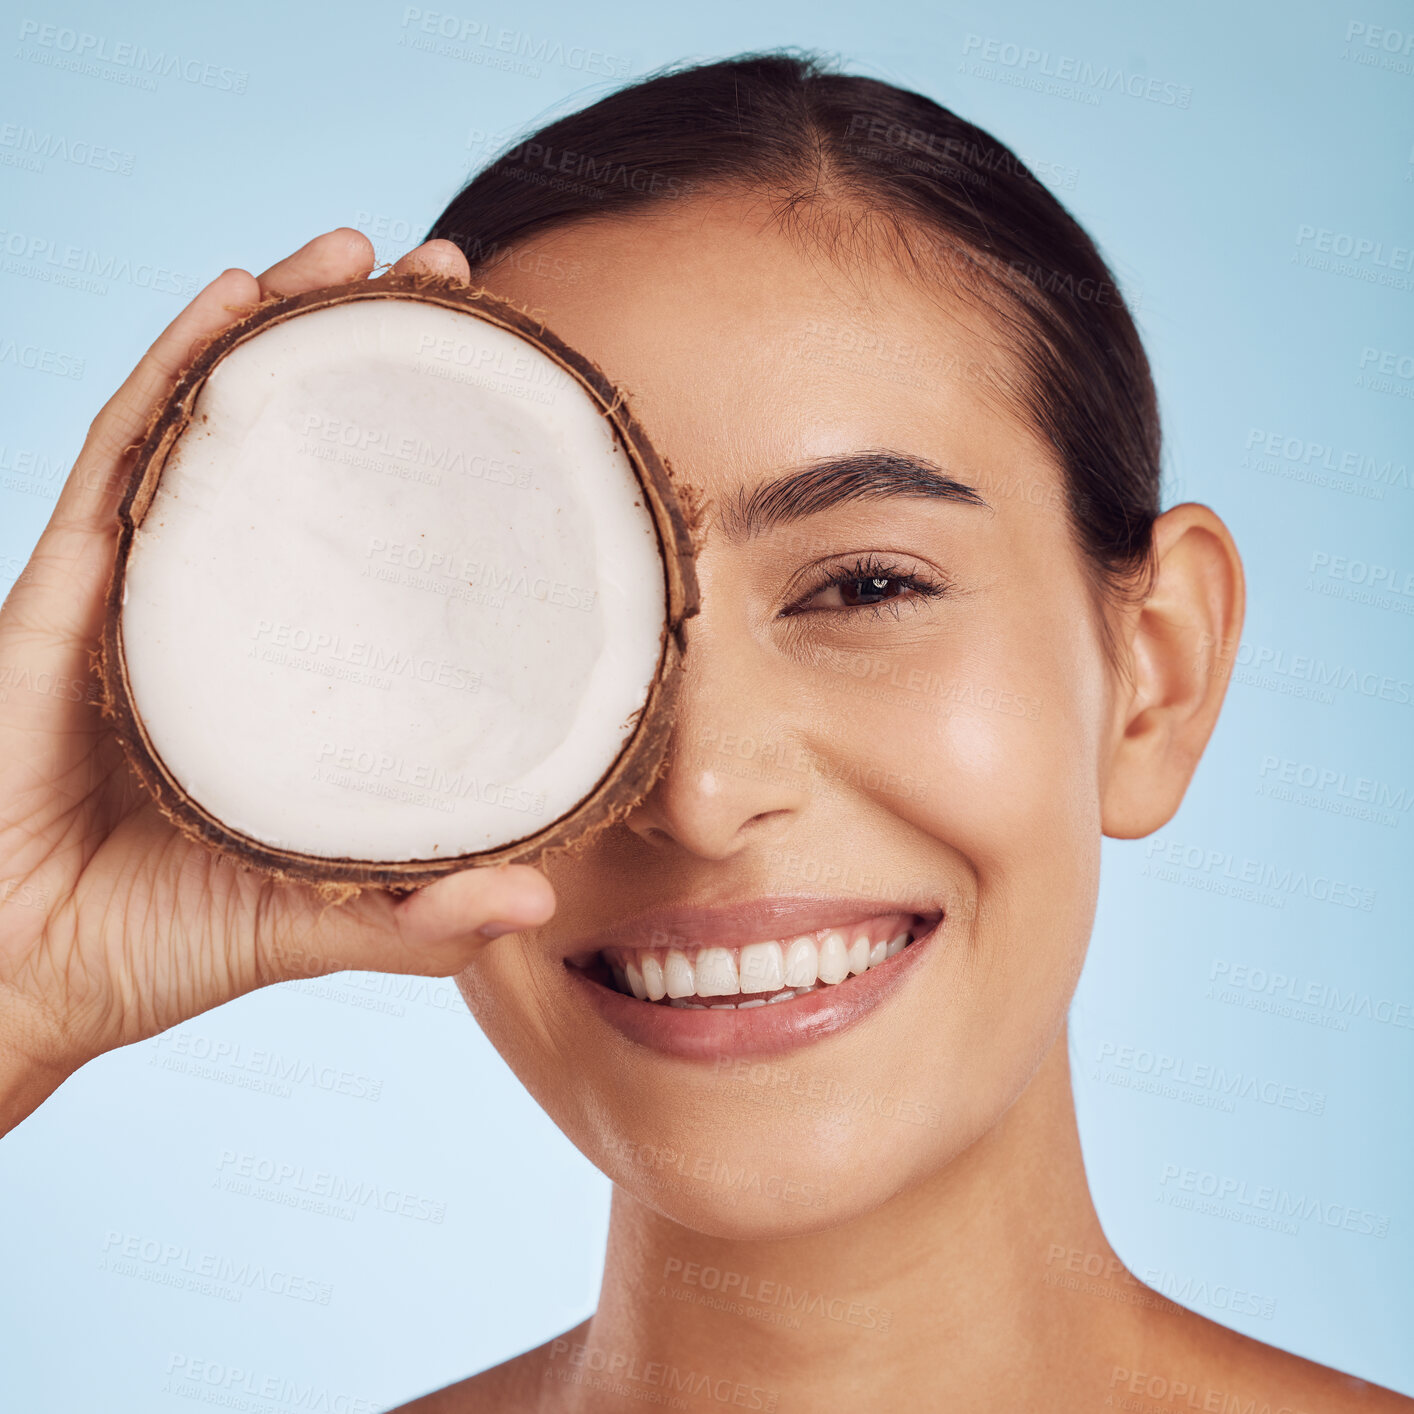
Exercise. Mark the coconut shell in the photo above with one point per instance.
(675, 511)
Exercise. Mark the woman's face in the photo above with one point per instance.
(897, 714)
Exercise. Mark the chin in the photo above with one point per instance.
(760, 1185)
(757, 1148)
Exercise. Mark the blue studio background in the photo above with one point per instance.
(1250, 183)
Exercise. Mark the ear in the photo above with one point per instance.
(1181, 641)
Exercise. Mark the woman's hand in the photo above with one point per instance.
(113, 925)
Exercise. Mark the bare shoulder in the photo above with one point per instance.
(1197, 1364)
(1214, 1367)
(515, 1386)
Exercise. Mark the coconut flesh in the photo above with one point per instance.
(400, 588)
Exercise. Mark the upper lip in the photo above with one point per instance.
(736, 924)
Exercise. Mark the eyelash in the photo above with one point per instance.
(868, 568)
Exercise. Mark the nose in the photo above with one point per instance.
(736, 770)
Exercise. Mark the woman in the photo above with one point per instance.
(806, 1004)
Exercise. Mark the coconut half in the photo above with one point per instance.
(400, 588)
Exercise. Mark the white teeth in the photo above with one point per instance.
(653, 978)
(716, 973)
(763, 967)
(677, 974)
(767, 971)
(859, 955)
(834, 958)
(802, 962)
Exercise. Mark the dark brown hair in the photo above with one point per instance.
(955, 203)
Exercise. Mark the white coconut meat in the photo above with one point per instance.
(398, 595)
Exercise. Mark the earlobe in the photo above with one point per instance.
(1181, 645)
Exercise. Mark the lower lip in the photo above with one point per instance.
(757, 1031)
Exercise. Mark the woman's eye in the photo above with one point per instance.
(867, 585)
(863, 591)
(853, 592)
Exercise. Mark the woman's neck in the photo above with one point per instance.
(979, 1287)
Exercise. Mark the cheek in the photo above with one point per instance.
(985, 740)
(983, 734)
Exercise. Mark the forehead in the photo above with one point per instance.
(747, 351)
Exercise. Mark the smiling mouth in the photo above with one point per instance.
(756, 974)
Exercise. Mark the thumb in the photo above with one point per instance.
(433, 932)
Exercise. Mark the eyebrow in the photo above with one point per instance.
(834, 481)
